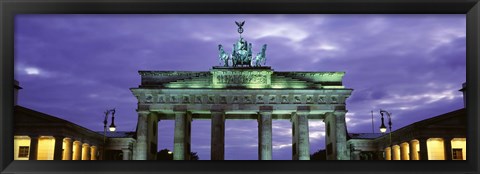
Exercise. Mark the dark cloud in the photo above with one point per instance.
(77, 66)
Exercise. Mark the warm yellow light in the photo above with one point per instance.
(112, 129)
(170, 152)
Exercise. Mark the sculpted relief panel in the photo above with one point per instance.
(244, 78)
(244, 99)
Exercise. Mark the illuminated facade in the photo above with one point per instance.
(438, 138)
(241, 93)
(39, 136)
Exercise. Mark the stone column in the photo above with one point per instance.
(58, 149)
(330, 144)
(67, 152)
(341, 136)
(179, 148)
(413, 150)
(93, 153)
(388, 153)
(142, 139)
(300, 134)
(218, 135)
(126, 154)
(77, 155)
(294, 136)
(33, 147)
(423, 148)
(85, 151)
(447, 143)
(265, 133)
(188, 136)
(396, 153)
(356, 155)
(406, 150)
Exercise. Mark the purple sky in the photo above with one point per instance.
(77, 66)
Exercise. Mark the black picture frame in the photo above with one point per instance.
(9, 8)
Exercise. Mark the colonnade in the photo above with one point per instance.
(147, 139)
(63, 148)
(446, 148)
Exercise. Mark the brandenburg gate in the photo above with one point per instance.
(241, 89)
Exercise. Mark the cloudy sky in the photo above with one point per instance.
(77, 66)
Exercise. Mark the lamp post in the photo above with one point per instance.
(111, 128)
(383, 129)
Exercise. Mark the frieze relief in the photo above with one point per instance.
(297, 99)
(285, 99)
(309, 99)
(149, 98)
(259, 99)
(223, 99)
(244, 99)
(211, 99)
(272, 99)
(173, 99)
(186, 99)
(247, 99)
(170, 73)
(241, 79)
(198, 99)
(322, 99)
(161, 99)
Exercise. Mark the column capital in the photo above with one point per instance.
(143, 112)
(267, 109)
(340, 112)
(303, 109)
(180, 108)
(217, 108)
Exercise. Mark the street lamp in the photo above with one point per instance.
(111, 128)
(383, 128)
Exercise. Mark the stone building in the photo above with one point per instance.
(241, 93)
(441, 137)
(39, 136)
